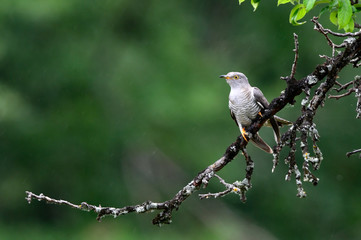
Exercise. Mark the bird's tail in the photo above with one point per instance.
(280, 122)
(276, 122)
(258, 141)
(276, 129)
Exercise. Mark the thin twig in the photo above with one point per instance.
(294, 65)
(342, 87)
(42, 197)
(337, 97)
(326, 31)
(353, 152)
(101, 211)
(229, 188)
(215, 195)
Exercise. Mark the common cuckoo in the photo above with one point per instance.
(245, 103)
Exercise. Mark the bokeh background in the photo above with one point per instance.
(118, 102)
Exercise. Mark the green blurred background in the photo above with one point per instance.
(118, 102)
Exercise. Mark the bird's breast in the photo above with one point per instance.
(244, 106)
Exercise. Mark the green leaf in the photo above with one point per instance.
(322, 2)
(333, 17)
(344, 13)
(309, 4)
(283, 2)
(350, 26)
(255, 4)
(240, 1)
(297, 13)
(334, 4)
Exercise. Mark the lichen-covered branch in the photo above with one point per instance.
(167, 207)
(304, 129)
(294, 65)
(357, 87)
(303, 132)
(238, 187)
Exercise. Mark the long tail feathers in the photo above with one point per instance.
(274, 122)
(258, 141)
(281, 121)
(276, 129)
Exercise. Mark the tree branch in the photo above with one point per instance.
(304, 126)
(167, 207)
(326, 31)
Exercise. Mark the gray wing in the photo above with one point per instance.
(262, 101)
(233, 116)
(260, 98)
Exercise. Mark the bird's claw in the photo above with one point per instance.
(244, 134)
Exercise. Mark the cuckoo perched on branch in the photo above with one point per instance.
(245, 103)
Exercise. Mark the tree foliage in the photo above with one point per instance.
(342, 13)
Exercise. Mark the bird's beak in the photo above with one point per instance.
(224, 76)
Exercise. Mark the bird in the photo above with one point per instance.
(245, 103)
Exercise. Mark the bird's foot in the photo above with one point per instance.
(244, 134)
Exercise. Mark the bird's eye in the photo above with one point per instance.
(236, 77)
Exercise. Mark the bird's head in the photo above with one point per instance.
(235, 79)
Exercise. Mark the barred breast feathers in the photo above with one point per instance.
(243, 105)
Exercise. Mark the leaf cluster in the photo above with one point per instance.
(341, 12)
